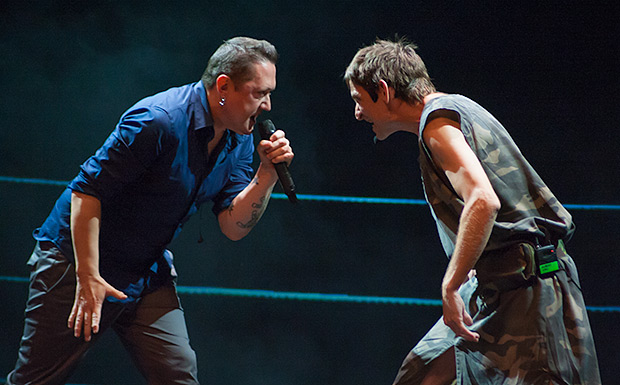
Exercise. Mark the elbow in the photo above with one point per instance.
(493, 204)
(230, 228)
(487, 200)
(232, 233)
(497, 205)
(234, 236)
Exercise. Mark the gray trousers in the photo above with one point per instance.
(152, 330)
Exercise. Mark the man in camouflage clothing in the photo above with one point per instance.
(505, 321)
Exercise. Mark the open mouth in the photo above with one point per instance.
(252, 122)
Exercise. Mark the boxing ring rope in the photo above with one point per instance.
(317, 198)
(320, 297)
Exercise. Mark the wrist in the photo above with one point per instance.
(86, 271)
(266, 175)
(447, 286)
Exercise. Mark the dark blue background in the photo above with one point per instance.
(548, 71)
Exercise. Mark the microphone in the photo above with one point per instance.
(266, 128)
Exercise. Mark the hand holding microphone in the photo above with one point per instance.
(265, 129)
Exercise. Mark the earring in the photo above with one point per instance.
(222, 102)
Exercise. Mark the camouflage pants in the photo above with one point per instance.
(532, 330)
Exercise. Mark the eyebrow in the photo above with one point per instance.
(262, 92)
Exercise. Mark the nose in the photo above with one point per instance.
(266, 104)
(358, 112)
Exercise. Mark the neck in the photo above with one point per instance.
(217, 113)
(405, 116)
(411, 113)
(432, 96)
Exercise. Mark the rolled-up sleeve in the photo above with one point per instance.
(138, 140)
(240, 176)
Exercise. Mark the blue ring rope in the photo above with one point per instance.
(298, 296)
(48, 182)
(318, 198)
(251, 293)
(317, 297)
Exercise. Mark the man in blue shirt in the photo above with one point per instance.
(101, 259)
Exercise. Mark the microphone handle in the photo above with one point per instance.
(286, 181)
(266, 128)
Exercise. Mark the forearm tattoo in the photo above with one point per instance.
(254, 205)
(259, 209)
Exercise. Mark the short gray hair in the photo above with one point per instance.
(236, 58)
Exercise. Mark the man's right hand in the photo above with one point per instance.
(455, 315)
(90, 292)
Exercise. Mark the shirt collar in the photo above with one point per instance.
(204, 119)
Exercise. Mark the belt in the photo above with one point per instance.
(511, 267)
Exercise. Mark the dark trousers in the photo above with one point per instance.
(152, 330)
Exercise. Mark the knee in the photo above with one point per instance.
(180, 368)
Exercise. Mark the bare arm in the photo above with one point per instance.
(248, 207)
(91, 289)
(451, 153)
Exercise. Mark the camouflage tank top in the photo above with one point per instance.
(527, 204)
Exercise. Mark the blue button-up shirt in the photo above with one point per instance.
(151, 175)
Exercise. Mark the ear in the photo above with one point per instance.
(385, 92)
(222, 83)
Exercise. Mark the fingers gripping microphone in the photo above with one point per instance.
(266, 129)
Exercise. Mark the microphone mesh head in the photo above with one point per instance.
(266, 128)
